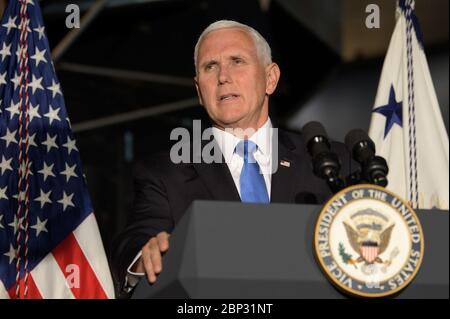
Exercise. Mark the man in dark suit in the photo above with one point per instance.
(235, 76)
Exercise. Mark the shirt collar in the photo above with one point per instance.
(262, 138)
(227, 141)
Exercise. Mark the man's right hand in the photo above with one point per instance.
(151, 262)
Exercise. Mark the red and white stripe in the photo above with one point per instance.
(369, 253)
(88, 237)
(53, 277)
(3, 293)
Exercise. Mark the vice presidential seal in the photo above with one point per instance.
(368, 241)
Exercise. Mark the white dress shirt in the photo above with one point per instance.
(227, 143)
(262, 138)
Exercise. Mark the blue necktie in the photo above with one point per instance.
(251, 181)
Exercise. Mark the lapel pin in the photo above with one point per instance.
(285, 163)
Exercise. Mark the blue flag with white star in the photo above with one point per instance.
(49, 240)
(406, 124)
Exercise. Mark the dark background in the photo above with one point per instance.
(127, 77)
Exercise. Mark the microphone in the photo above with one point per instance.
(326, 164)
(374, 168)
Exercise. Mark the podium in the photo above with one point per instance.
(233, 250)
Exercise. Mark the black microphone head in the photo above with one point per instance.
(357, 136)
(316, 138)
(313, 129)
(374, 168)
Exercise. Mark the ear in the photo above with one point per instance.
(199, 94)
(272, 77)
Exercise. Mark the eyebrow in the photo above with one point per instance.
(231, 57)
(237, 56)
(208, 62)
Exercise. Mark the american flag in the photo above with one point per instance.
(50, 246)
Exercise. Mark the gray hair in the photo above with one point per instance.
(262, 47)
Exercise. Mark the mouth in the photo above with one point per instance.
(228, 97)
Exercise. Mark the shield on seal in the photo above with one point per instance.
(369, 251)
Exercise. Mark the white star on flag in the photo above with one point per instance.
(47, 171)
(55, 88)
(5, 165)
(13, 109)
(16, 225)
(5, 51)
(9, 137)
(66, 200)
(33, 112)
(22, 169)
(52, 114)
(22, 196)
(40, 30)
(40, 226)
(3, 193)
(44, 198)
(50, 142)
(31, 141)
(19, 52)
(12, 253)
(39, 56)
(35, 83)
(3, 78)
(70, 145)
(16, 81)
(11, 24)
(69, 172)
(68, 121)
(1, 223)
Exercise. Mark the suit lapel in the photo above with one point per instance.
(217, 179)
(284, 178)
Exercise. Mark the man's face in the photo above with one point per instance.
(232, 83)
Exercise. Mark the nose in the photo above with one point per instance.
(224, 75)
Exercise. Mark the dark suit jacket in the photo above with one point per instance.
(163, 191)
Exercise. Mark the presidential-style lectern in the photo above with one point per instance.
(234, 250)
